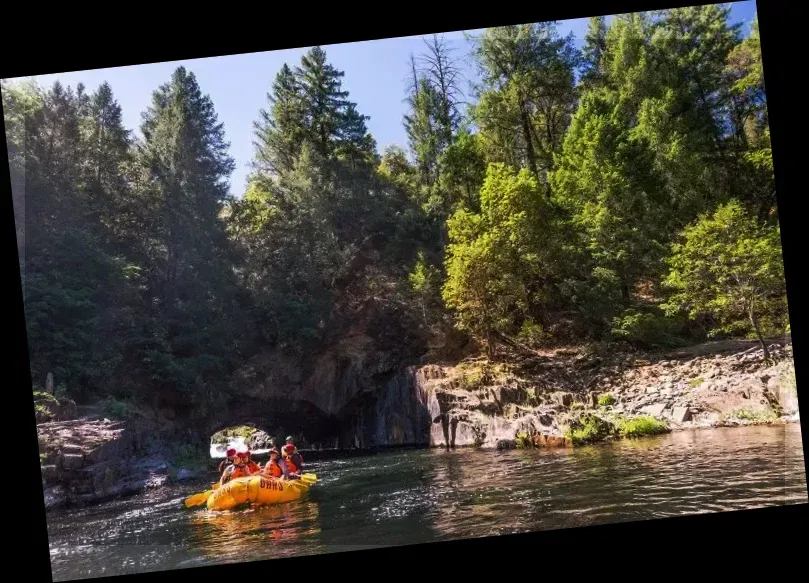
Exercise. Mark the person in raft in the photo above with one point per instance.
(229, 455)
(238, 469)
(251, 465)
(294, 460)
(276, 467)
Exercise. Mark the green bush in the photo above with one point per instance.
(523, 440)
(187, 455)
(589, 429)
(641, 427)
(767, 416)
(648, 328)
(606, 400)
(115, 409)
(532, 334)
(694, 383)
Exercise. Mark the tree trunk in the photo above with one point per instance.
(754, 322)
(624, 290)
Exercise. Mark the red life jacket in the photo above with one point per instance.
(294, 462)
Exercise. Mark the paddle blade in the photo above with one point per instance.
(198, 499)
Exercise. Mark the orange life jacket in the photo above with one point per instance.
(253, 467)
(274, 469)
(239, 471)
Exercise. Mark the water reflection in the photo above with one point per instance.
(257, 533)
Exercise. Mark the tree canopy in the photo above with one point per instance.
(574, 196)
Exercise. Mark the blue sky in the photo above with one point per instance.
(375, 74)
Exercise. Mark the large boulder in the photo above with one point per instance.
(85, 461)
(48, 408)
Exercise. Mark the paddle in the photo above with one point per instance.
(306, 479)
(198, 499)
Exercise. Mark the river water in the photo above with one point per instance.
(419, 496)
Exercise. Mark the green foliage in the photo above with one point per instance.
(540, 213)
(224, 436)
(494, 260)
(184, 455)
(523, 440)
(748, 416)
(729, 267)
(589, 429)
(115, 409)
(640, 427)
(694, 383)
(606, 400)
(528, 94)
(648, 328)
(472, 380)
(533, 334)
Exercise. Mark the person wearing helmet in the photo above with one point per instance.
(276, 467)
(229, 455)
(238, 469)
(294, 460)
(252, 466)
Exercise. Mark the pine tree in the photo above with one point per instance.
(595, 47)
(331, 122)
(528, 94)
(68, 273)
(279, 131)
(444, 76)
(422, 131)
(186, 156)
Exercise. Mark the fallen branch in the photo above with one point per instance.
(514, 344)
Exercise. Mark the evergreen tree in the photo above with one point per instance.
(330, 121)
(595, 47)
(528, 94)
(279, 131)
(186, 251)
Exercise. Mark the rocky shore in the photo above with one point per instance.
(547, 397)
(90, 460)
(560, 398)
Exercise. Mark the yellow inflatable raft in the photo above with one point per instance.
(258, 490)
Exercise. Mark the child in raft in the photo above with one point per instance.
(241, 467)
(251, 465)
(276, 467)
(230, 454)
(293, 459)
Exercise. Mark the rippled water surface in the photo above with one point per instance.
(429, 495)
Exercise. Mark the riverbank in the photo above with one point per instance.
(562, 398)
(571, 397)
